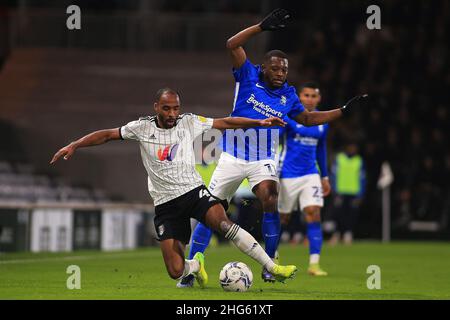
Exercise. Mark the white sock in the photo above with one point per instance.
(314, 258)
(248, 245)
(190, 266)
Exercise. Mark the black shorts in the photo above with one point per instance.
(172, 218)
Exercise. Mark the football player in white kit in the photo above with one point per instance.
(166, 143)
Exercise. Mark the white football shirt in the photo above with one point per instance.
(168, 154)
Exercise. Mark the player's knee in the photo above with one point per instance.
(312, 214)
(270, 202)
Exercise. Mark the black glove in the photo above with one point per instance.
(277, 19)
(353, 103)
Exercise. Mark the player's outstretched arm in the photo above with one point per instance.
(92, 139)
(239, 122)
(314, 118)
(275, 20)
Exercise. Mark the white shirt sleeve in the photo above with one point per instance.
(199, 124)
(133, 130)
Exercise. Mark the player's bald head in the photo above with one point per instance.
(166, 92)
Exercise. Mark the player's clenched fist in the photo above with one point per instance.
(275, 20)
(326, 187)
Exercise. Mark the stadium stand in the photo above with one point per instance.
(107, 90)
(20, 183)
(114, 81)
(407, 125)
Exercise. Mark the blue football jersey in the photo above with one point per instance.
(303, 146)
(254, 99)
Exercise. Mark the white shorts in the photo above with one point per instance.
(304, 192)
(230, 172)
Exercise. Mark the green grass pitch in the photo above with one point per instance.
(409, 270)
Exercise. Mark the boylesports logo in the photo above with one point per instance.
(168, 153)
(263, 108)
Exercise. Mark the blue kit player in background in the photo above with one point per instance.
(301, 184)
(261, 91)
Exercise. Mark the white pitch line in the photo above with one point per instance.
(102, 256)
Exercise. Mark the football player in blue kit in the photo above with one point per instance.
(261, 91)
(301, 184)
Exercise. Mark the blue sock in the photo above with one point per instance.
(200, 239)
(315, 237)
(271, 229)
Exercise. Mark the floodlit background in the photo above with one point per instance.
(58, 84)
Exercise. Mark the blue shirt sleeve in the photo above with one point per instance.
(291, 125)
(297, 107)
(321, 154)
(246, 72)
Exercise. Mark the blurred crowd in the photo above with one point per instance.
(404, 67)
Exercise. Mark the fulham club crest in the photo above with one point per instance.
(160, 230)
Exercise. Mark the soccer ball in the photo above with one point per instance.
(236, 276)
